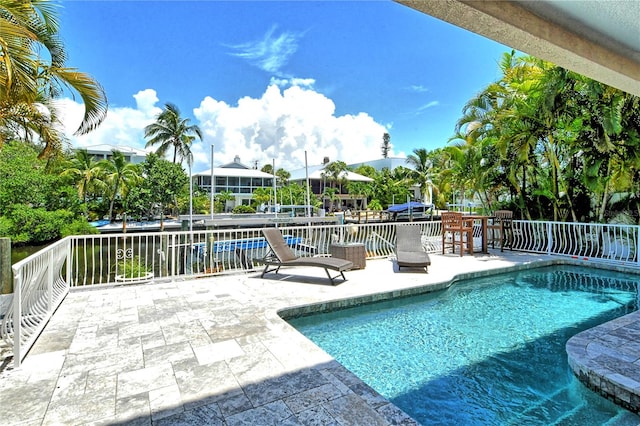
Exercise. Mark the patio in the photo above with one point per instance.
(211, 350)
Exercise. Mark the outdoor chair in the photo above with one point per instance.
(501, 229)
(456, 231)
(280, 254)
(408, 248)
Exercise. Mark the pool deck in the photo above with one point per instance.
(606, 358)
(214, 350)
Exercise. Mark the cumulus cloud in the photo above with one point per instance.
(122, 125)
(270, 53)
(279, 125)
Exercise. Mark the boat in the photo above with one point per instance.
(250, 244)
(99, 223)
(134, 226)
(412, 210)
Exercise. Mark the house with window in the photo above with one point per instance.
(237, 179)
(105, 152)
(318, 182)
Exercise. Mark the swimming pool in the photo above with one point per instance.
(484, 351)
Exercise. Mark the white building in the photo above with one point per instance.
(318, 181)
(236, 178)
(105, 151)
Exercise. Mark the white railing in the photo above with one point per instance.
(104, 259)
(42, 280)
(587, 241)
(39, 286)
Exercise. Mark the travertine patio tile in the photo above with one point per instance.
(145, 380)
(316, 416)
(85, 409)
(274, 413)
(211, 381)
(256, 365)
(165, 402)
(218, 351)
(115, 358)
(133, 407)
(168, 353)
(313, 397)
(351, 410)
(44, 366)
(204, 415)
(37, 394)
(183, 332)
(283, 386)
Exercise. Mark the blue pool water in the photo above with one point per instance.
(483, 352)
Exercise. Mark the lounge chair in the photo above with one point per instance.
(409, 251)
(280, 255)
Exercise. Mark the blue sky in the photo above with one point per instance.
(270, 80)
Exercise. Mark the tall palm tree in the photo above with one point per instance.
(33, 73)
(170, 131)
(422, 169)
(120, 176)
(335, 172)
(85, 172)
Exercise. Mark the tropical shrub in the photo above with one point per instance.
(243, 209)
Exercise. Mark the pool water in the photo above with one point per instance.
(487, 351)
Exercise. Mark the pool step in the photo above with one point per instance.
(548, 411)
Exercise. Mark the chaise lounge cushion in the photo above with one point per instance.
(409, 251)
(282, 255)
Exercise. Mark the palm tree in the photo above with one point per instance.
(335, 172)
(120, 175)
(422, 169)
(33, 73)
(386, 145)
(85, 172)
(172, 131)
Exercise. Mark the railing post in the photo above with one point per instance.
(549, 238)
(173, 255)
(50, 268)
(17, 318)
(70, 280)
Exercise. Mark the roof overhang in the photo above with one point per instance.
(598, 39)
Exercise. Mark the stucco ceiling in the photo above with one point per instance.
(599, 39)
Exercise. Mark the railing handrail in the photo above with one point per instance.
(42, 280)
(40, 284)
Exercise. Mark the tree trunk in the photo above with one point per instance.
(113, 200)
(605, 195)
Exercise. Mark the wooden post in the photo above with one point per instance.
(5, 266)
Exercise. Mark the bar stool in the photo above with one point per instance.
(453, 224)
(502, 229)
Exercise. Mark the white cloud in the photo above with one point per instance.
(122, 125)
(428, 105)
(270, 53)
(418, 88)
(280, 125)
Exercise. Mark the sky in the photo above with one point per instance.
(268, 81)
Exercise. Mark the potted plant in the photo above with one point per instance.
(133, 270)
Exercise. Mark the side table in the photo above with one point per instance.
(353, 252)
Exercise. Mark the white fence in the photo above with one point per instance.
(602, 243)
(42, 280)
(40, 283)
